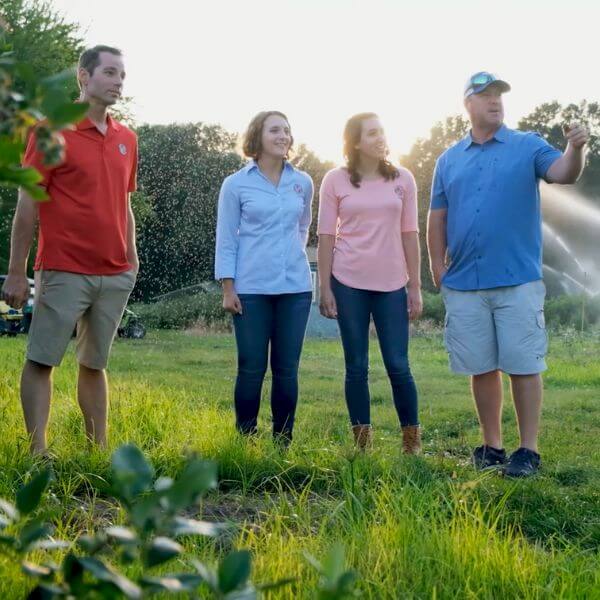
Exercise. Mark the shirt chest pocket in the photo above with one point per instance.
(485, 175)
(120, 162)
(507, 174)
(292, 203)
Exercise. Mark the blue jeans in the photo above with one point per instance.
(279, 320)
(390, 314)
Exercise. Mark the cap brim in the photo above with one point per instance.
(498, 83)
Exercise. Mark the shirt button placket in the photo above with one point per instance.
(477, 213)
(281, 230)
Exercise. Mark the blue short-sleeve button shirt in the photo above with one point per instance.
(491, 193)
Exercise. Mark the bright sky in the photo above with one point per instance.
(221, 61)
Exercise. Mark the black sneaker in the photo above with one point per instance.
(487, 457)
(522, 463)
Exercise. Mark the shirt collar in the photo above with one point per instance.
(252, 164)
(501, 135)
(87, 123)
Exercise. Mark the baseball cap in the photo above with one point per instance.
(481, 80)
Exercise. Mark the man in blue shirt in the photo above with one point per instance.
(485, 248)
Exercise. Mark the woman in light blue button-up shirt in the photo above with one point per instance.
(262, 228)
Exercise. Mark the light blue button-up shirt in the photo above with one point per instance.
(491, 192)
(262, 231)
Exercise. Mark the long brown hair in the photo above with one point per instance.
(252, 143)
(352, 135)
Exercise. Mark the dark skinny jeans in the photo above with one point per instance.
(278, 321)
(390, 314)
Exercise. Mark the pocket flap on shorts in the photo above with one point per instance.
(540, 319)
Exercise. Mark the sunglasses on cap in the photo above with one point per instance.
(482, 79)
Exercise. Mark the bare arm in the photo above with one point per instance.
(16, 287)
(327, 304)
(436, 243)
(132, 255)
(568, 168)
(412, 254)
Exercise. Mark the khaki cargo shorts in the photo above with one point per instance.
(496, 329)
(93, 303)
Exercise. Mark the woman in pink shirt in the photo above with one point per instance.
(369, 264)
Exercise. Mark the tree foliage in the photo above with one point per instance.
(42, 38)
(181, 169)
(548, 120)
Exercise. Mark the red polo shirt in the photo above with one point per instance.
(83, 228)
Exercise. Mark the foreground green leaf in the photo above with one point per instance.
(184, 526)
(172, 583)
(234, 570)
(103, 572)
(132, 473)
(161, 550)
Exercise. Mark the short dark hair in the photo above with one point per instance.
(252, 144)
(90, 58)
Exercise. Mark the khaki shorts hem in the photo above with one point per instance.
(92, 366)
(42, 360)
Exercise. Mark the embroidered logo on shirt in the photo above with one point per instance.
(123, 149)
(298, 189)
(399, 191)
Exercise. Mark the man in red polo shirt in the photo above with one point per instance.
(86, 262)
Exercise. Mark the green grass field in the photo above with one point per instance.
(426, 527)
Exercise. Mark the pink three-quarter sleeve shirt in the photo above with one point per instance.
(368, 223)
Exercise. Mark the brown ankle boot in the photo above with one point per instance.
(411, 439)
(363, 437)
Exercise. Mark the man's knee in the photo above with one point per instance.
(89, 370)
(487, 375)
(530, 377)
(35, 368)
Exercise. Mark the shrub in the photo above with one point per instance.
(566, 311)
(433, 307)
(204, 308)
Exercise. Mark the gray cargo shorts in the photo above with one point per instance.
(496, 329)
